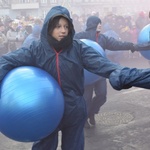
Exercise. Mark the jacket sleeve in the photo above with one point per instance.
(128, 77)
(141, 47)
(14, 59)
(94, 62)
(113, 44)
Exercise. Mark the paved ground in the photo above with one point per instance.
(122, 124)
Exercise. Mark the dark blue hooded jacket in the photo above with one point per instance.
(67, 66)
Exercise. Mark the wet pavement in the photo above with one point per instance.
(123, 123)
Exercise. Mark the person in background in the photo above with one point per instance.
(142, 20)
(7, 22)
(123, 27)
(15, 37)
(3, 40)
(77, 23)
(38, 21)
(65, 59)
(27, 30)
(35, 35)
(99, 88)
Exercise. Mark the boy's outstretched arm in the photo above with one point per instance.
(126, 78)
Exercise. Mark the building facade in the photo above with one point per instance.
(39, 8)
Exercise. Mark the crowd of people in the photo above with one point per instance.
(13, 32)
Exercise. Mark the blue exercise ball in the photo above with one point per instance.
(31, 104)
(89, 77)
(144, 37)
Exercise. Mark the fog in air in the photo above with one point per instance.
(121, 118)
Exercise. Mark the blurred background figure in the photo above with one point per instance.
(3, 40)
(34, 36)
(115, 56)
(142, 20)
(15, 36)
(77, 23)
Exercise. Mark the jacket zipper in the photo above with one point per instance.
(57, 66)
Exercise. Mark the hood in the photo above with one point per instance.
(55, 11)
(92, 23)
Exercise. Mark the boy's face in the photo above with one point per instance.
(61, 30)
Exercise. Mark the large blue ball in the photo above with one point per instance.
(31, 104)
(144, 37)
(90, 78)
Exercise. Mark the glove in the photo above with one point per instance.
(141, 47)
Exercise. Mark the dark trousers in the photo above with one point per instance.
(94, 103)
(72, 139)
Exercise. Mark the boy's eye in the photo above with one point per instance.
(58, 26)
(66, 27)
